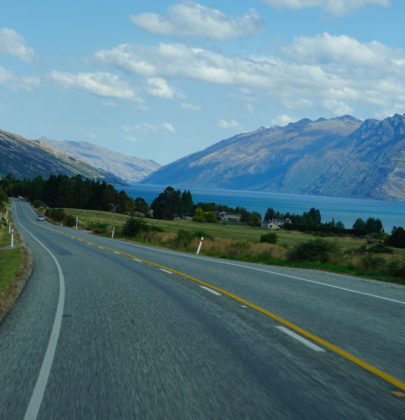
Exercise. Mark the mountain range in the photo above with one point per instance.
(343, 157)
(128, 168)
(25, 158)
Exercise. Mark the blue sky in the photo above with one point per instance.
(163, 79)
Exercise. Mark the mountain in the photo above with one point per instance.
(342, 157)
(129, 168)
(25, 158)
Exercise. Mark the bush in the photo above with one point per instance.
(97, 227)
(380, 249)
(397, 237)
(56, 214)
(38, 203)
(184, 237)
(371, 262)
(70, 221)
(270, 238)
(316, 250)
(134, 226)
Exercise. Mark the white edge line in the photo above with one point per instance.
(218, 261)
(39, 389)
(166, 271)
(214, 292)
(302, 340)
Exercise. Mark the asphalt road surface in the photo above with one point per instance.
(106, 329)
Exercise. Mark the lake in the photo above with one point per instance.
(347, 210)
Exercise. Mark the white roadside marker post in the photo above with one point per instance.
(12, 238)
(200, 244)
(77, 221)
(112, 233)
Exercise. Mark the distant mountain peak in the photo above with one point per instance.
(129, 168)
(341, 156)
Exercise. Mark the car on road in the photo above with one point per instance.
(40, 218)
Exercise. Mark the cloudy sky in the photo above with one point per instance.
(162, 79)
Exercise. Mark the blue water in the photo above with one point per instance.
(347, 210)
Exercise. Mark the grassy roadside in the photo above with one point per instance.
(15, 267)
(345, 255)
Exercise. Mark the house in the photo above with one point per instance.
(223, 216)
(274, 224)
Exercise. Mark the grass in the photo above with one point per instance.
(10, 263)
(241, 242)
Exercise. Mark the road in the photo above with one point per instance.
(107, 329)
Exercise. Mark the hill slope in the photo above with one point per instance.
(129, 168)
(337, 157)
(25, 158)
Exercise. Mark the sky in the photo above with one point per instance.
(162, 79)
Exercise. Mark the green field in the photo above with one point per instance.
(347, 254)
(10, 259)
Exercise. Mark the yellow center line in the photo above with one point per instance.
(381, 374)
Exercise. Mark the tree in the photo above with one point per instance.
(255, 219)
(374, 225)
(397, 237)
(167, 205)
(141, 206)
(359, 227)
(199, 215)
(187, 204)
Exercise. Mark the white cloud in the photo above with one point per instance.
(228, 124)
(334, 71)
(333, 7)
(169, 127)
(109, 104)
(5, 76)
(159, 87)
(325, 48)
(142, 128)
(14, 44)
(250, 109)
(190, 107)
(193, 19)
(101, 84)
(131, 139)
(14, 82)
(282, 120)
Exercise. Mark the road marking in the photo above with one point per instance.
(214, 292)
(218, 261)
(302, 340)
(308, 281)
(343, 353)
(42, 380)
(166, 271)
(115, 252)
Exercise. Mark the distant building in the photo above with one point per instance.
(274, 224)
(223, 216)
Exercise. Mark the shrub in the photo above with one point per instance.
(270, 238)
(371, 262)
(397, 237)
(184, 237)
(56, 214)
(380, 249)
(70, 221)
(316, 250)
(97, 227)
(38, 203)
(134, 226)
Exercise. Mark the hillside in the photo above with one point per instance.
(25, 158)
(128, 168)
(342, 157)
